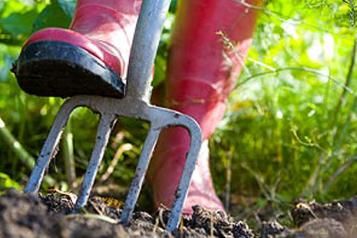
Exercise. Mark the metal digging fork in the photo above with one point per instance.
(135, 104)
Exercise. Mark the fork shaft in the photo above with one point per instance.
(103, 133)
(145, 43)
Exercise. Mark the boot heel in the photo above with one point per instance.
(52, 68)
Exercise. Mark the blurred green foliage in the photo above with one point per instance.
(291, 126)
(6, 182)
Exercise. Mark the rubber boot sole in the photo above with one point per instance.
(50, 68)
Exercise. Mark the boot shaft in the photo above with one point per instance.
(202, 70)
(209, 44)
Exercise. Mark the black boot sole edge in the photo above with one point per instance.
(51, 68)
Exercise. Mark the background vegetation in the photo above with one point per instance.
(291, 127)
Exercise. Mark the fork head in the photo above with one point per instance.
(110, 109)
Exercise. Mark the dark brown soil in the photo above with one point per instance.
(23, 215)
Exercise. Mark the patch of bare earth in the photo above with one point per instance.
(23, 215)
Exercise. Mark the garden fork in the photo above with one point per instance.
(135, 104)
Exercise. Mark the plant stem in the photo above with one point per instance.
(15, 146)
(342, 97)
(301, 69)
(68, 155)
(345, 166)
(123, 148)
(228, 185)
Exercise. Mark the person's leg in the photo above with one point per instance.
(203, 66)
(89, 58)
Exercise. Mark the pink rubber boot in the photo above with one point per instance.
(89, 58)
(209, 43)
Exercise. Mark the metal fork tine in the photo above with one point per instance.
(185, 180)
(140, 173)
(104, 129)
(49, 148)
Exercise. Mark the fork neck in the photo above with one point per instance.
(145, 45)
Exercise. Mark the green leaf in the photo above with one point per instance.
(18, 24)
(67, 6)
(6, 182)
(173, 6)
(52, 16)
(8, 7)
